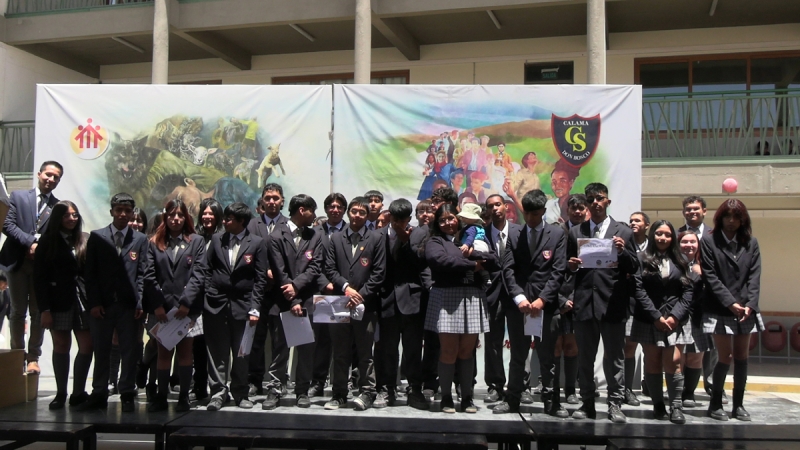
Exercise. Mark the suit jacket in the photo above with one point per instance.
(706, 229)
(258, 227)
(365, 271)
(404, 288)
(498, 289)
(658, 297)
(730, 278)
(21, 226)
(299, 265)
(322, 281)
(539, 275)
(170, 283)
(111, 276)
(243, 284)
(603, 294)
(58, 280)
(450, 268)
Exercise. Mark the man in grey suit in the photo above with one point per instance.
(27, 219)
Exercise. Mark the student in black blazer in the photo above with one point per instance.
(61, 295)
(663, 292)
(173, 279)
(732, 276)
(404, 299)
(235, 282)
(27, 219)
(356, 265)
(296, 259)
(115, 261)
(498, 301)
(601, 303)
(263, 225)
(533, 269)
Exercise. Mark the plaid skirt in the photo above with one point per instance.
(646, 333)
(457, 310)
(716, 324)
(74, 319)
(703, 342)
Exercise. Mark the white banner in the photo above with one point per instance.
(193, 142)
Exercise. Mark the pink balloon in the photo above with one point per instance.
(730, 185)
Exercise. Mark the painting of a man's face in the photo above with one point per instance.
(561, 183)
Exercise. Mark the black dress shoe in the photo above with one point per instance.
(157, 405)
(245, 404)
(493, 396)
(630, 398)
(93, 402)
(59, 401)
(316, 390)
(676, 414)
(505, 408)
(183, 404)
(303, 401)
(572, 399)
(718, 414)
(127, 402)
(740, 413)
(77, 399)
(556, 410)
(586, 411)
(615, 414)
(417, 400)
(526, 398)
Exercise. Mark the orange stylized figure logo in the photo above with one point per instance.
(89, 141)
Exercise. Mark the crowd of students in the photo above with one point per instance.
(435, 287)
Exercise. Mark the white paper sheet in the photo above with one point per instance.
(173, 331)
(333, 309)
(296, 329)
(247, 340)
(533, 325)
(597, 253)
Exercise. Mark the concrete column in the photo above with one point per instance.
(363, 60)
(160, 43)
(596, 40)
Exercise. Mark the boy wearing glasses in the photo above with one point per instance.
(600, 305)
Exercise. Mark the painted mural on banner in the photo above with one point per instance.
(190, 142)
(406, 141)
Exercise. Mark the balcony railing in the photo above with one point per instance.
(16, 146)
(721, 125)
(47, 6)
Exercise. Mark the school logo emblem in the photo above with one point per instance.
(248, 258)
(309, 255)
(133, 255)
(365, 262)
(89, 141)
(189, 260)
(575, 137)
(546, 254)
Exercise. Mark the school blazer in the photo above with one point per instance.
(658, 297)
(499, 289)
(241, 285)
(365, 271)
(21, 226)
(706, 229)
(170, 283)
(58, 281)
(730, 278)
(300, 266)
(114, 277)
(450, 268)
(539, 275)
(603, 294)
(404, 288)
(322, 281)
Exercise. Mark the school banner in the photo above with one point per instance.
(190, 142)
(408, 140)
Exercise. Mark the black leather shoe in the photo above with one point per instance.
(77, 399)
(271, 402)
(615, 414)
(363, 402)
(316, 390)
(572, 399)
(630, 398)
(159, 404)
(718, 414)
(526, 398)
(660, 411)
(493, 396)
(676, 415)
(58, 402)
(93, 402)
(255, 389)
(183, 404)
(417, 400)
(127, 402)
(586, 411)
(556, 410)
(303, 401)
(741, 414)
(505, 408)
(245, 404)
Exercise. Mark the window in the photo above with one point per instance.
(389, 77)
(550, 73)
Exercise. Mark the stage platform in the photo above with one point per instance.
(775, 420)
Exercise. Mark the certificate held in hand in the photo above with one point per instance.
(597, 253)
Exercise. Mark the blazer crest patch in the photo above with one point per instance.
(133, 255)
(546, 254)
(248, 258)
(365, 262)
(189, 260)
(309, 255)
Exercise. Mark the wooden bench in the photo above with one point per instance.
(688, 444)
(189, 437)
(25, 433)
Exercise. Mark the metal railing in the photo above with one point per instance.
(47, 6)
(16, 146)
(753, 124)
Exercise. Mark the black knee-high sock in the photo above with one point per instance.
(163, 382)
(570, 374)
(654, 385)
(61, 371)
(185, 376)
(446, 374)
(739, 374)
(718, 378)
(630, 371)
(465, 368)
(674, 387)
(80, 371)
(692, 377)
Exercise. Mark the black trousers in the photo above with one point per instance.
(323, 352)
(223, 338)
(494, 373)
(520, 347)
(410, 329)
(306, 364)
(257, 367)
(122, 319)
(545, 350)
(344, 335)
